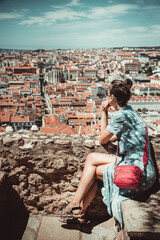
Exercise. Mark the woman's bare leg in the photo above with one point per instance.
(90, 173)
(93, 189)
(89, 196)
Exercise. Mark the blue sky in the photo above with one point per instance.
(50, 24)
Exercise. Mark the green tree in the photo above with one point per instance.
(127, 71)
(149, 71)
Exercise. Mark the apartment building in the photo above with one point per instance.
(132, 67)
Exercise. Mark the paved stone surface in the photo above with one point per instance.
(102, 231)
(51, 229)
(29, 234)
(142, 219)
(32, 228)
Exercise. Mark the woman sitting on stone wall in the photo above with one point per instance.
(129, 129)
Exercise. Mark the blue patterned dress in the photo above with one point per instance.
(130, 129)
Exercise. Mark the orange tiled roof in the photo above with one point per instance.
(125, 54)
(4, 118)
(86, 116)
(73, 69)
(157, 122)
(50, 118)
(133, 63)
(2, 129)
(63, 128)
(17, 74)
(7, 111)
(78, 121)
(86, 130)
(16, 91)
(49, 130)
(19, 119)
(60, 111)
(157, 79)
(19, 104)
(54, 124)
(24, 67)
(4, 103)
(90, 69)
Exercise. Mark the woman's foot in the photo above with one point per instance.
(67, 213)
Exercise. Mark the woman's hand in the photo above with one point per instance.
(105, 106)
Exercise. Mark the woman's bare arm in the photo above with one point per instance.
(113, 138)
(105, 134)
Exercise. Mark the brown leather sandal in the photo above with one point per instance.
(60, 208)
(69, 212)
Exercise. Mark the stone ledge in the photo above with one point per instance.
(44, 171)
(41, 172)
(142, 219)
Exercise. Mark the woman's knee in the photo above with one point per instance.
(99, 172)
(91, 158)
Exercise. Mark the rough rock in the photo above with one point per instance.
(34, 179)
(44, 171)
(89, 143)
(27, 146)
(7, 141)
(64, 143)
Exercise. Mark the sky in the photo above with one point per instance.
(71, 24)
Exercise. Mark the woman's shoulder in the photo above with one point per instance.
(123, 111)
(118, 116)
(126, 113)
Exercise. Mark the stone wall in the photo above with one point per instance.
(43, 172)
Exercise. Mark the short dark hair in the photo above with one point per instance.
(121, 91)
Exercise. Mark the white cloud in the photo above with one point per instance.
(155, 30)
(67, 14)
(73, 3)
(34, 20)
(85, 26)
(63, 14)
(10, 15)
(151, 7)
(156, 27)
(51, 17)
(111, 11)
(138, 29)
